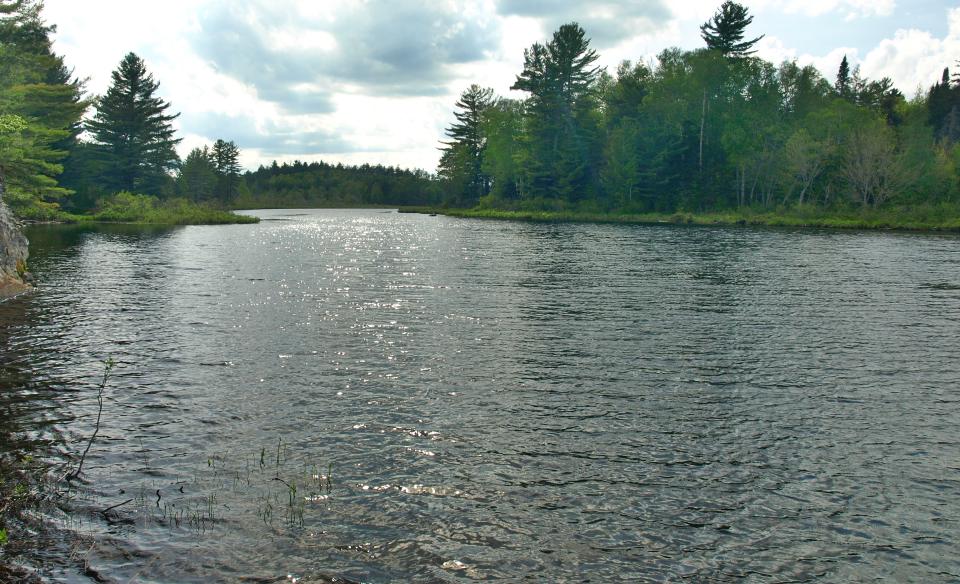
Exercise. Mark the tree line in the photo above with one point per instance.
(707, 129)
(52, 158)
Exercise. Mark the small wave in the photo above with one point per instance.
(435, 491)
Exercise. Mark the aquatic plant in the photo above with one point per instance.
(107, 368)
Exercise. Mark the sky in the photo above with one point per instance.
(375, 81)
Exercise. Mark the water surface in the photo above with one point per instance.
(377, 397)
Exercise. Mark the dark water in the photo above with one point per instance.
(379, 397)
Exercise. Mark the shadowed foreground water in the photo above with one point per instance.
(376, 397)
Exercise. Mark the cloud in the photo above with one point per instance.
(376, 80)
(914, 58)
(774, 50)
(268, 136)
(829, 64)
(606, 23)
(296, 57)
(851, 9)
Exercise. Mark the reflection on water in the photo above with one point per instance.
(383, 397)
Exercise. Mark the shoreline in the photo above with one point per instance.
(11, 289)
(873, 220)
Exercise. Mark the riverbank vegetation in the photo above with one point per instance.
(714, 133)
(944, 217)
(58, 166)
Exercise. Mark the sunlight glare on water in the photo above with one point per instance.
(381, 397)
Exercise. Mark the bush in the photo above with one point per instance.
(125, 207)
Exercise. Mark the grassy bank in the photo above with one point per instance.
(142, 209)
(942, 217)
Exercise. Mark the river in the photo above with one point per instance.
(335, 396)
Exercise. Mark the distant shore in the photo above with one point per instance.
(939, 218)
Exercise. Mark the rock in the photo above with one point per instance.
(13, 253)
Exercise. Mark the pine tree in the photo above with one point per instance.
(226, 161)
(462, 159)
(842, 84)
(133, 132)
(560, 153)
(197, 180)
(943, 108)
(724, 32)
(42, 106)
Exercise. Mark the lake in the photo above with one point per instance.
(337, 396)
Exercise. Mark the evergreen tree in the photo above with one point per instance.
(560, 154)
(502, 127)
(943, 109)
(462, 159)
(226, 161)
(41, 105)
(133, 132)
(842, 84)
(198, 176)
(724, 32)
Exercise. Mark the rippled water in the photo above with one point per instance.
(377, 397)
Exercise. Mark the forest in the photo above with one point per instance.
(706, 130)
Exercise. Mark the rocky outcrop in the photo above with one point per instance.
(13, 253)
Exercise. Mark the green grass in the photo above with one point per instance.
(942, 217)
(139, 209)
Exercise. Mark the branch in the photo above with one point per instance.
(107, 367)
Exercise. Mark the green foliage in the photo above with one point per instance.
(716, 132)
(927, 217)
(319, 184)
(225, 157)
(502, 127)
(462, 161)
(40, 108)
(198, 176)
(125, 207)
(132, 132)
(724, 32)
(559, 153)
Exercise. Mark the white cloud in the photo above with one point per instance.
(851, 9)
(915, 58)
(772, 49)
(829, 64)
(701, 10)
(375, 80)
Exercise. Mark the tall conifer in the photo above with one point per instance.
(41, 104)
(133, 132)
(462, 159)
(842, 84)
(226, 160)
(724, 32)
(559, 158)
